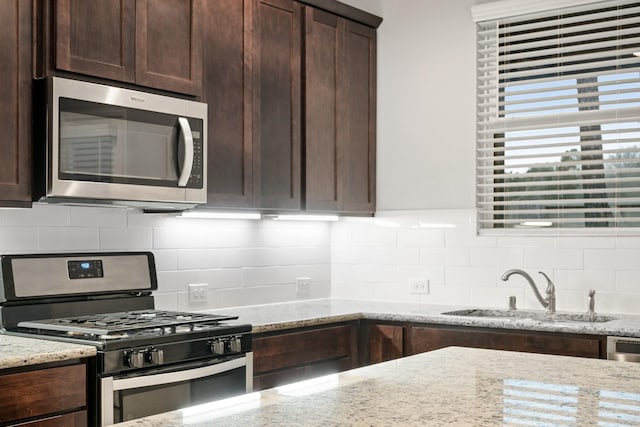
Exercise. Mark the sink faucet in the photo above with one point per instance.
(550, 302)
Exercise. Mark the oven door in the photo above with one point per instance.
(131, 397)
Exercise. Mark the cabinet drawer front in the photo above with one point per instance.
(40, 392)
(74, 419)
(298, 348)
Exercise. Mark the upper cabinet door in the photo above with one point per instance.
(15, 108)
(340, 115)
(169, 45)
(323, 180)
(96, 37)
(277, 35)
(357, 118)
(227, 91)
(150, 43)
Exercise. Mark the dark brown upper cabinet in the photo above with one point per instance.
(252, 54)
(15, 108)
(274, 69)
(149, 43)
(227, 92)
(340, 115)
(276, 73)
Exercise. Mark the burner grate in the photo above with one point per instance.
(128, 322)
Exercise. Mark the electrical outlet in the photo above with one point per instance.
(198, 293)
(303, 286)
(419, 286)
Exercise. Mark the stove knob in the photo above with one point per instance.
(217, 347)
(135, 359)
(156, 357)
(236, 344)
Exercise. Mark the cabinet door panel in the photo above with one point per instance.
(301, 348)
(357, 117)
(15, 108)
(41, 392)
(168, 45)
(276, 102)
(385, 342)
(96, 37)
(74, 419)
(227, 91)
(323, 186)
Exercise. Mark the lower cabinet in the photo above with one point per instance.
(282, 357)
(294, 355)
(380, 342)
(426, 338)
(52, 396)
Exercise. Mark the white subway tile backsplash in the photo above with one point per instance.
(369, 235)
(619, 259)
(586, 242)
(375, 273)
(627, 280)
(39, 215)
(471, 276)
(68, 239)
(178, 281)
(18, 239)
(166, 259)
(466, 237)
(497, 256)
(392, 255)
(126, 238)
(254, 262)
(546, 258)
(421, 237)
(81, 216)
(600, 280)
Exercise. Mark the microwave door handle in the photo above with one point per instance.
(186, 138)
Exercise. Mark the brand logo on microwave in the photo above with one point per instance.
(137, 99)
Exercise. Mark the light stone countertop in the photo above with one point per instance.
(273, 317)
(448, 387)
(18, 351)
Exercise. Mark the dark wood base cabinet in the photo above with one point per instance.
(47, 397)
(426, 338)
(380, 343)
(295, 355)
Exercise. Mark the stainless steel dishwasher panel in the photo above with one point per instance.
(624, 349)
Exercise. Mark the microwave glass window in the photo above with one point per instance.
(113, 144)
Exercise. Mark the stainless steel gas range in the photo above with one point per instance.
(149, 361)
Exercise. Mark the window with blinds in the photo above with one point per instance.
(558, 118)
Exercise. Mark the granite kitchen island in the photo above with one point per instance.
(451, 386)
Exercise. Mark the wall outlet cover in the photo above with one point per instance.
(198, 293)
(303, 286)
(419, 286)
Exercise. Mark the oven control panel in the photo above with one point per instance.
(168, 353)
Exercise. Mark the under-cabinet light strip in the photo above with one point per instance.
(220, 215)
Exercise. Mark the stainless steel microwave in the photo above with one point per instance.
(110, 145)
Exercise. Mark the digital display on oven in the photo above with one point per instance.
(86, 269)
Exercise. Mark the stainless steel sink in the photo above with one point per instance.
(533, 315)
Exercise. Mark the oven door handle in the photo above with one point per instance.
(174, 377)
(186, 138)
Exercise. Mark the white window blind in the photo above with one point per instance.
(559, 118)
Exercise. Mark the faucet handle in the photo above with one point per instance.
(551, 288)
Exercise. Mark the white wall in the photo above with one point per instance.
(244, 262)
